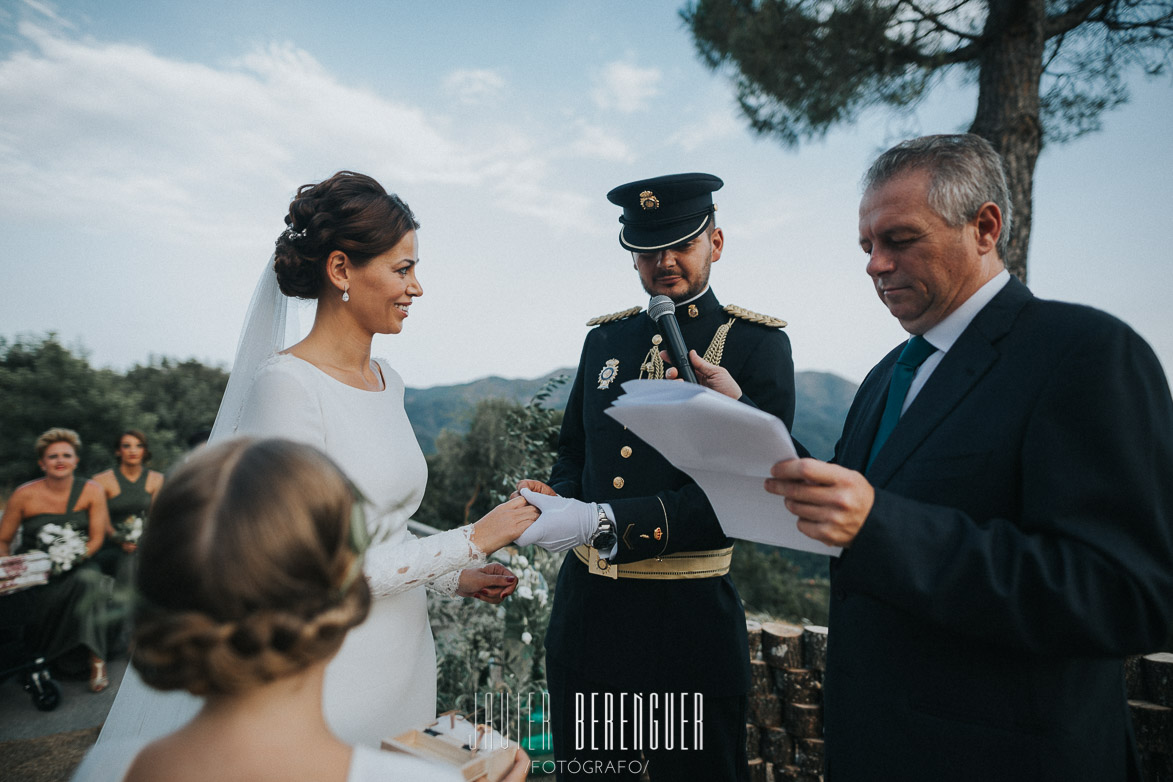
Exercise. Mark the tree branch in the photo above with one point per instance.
(932, 60)
(935, 20)
(1055, 53)
(1072, 18)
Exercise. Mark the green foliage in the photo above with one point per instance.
(465, 470)
(183, 396)
(1046, 70)
(482, 648)
(45, 384)
(802, 66)
(495, 649)
(471, 473)
(782, 584)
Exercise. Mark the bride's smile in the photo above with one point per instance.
(382, 290)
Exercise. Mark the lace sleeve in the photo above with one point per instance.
(397, 566)
(446, 584)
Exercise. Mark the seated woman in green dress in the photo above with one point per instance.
(64, 516)
(129, 489)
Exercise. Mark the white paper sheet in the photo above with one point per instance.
(725, 446)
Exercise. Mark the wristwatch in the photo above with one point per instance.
(605, 537)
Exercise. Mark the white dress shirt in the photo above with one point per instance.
(945, 334)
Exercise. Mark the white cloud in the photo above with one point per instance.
(626, 88)
(47, 11)
(714, 126)
(596, 143)
(474, 86)
(128, 132)
(123, 170)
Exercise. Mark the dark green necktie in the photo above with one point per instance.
(913, 355)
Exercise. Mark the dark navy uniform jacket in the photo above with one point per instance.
(685, 635)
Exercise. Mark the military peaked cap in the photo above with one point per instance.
(664, 210)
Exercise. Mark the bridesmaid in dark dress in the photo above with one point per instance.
(129, 489)
(64, 516)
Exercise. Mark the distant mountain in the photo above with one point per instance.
(822, 400)
(822, 405)
(432, 410)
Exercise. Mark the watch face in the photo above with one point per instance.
(605, 539)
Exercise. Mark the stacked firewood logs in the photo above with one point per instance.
(784, 737)
(785, 732)
(1149, 680)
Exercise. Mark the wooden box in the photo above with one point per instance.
(484, 765)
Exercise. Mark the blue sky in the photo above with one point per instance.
(148, 151)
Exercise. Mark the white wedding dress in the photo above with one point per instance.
(383, 680)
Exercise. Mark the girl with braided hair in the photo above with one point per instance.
(250, 577)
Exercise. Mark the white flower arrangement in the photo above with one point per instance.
(64, 545)
(130, 529)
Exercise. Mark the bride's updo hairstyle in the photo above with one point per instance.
(348, 212)
(247, 571)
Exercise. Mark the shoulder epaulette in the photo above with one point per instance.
(614, 316)
(755, 317)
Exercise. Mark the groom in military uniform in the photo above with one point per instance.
(647, 658)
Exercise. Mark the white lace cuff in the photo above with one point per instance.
(400, 565)
(446, 584)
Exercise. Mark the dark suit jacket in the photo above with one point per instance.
(642, 635)
(1020, 544)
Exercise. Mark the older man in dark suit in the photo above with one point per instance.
(1004, 494)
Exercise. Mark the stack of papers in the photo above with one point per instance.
(725, 446)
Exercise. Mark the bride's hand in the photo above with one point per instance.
(503, 524)
(532, 485)
(491, 583)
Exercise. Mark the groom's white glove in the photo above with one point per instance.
(564, 523)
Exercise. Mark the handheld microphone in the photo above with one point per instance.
(663, 312)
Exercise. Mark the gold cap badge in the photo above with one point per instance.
(648, 200)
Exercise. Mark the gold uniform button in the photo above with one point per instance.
(693, 311)
(657, 339)
(618, 482)
(625, 452)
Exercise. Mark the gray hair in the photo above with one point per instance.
(966, 173)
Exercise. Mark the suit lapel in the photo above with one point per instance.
(963, 366)
(867, 409)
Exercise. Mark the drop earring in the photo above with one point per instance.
(346, 294)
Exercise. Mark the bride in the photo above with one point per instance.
(353, 247)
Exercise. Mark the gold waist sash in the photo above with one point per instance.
(684, 564)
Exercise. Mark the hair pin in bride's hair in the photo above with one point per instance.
(293, 235)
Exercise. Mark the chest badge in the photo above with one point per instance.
(608, 373)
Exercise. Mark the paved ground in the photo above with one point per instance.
(46, 746)
(79, 708)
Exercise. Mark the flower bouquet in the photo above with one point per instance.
(65, 546)
(129, 530)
